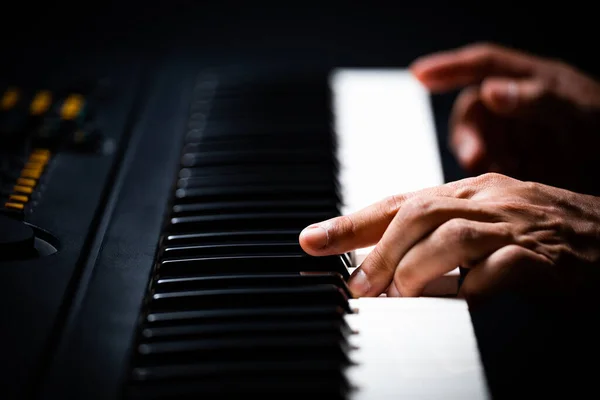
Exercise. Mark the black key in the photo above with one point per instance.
(259, 221)
(224, 128)
(241, 265)
(216, 137)
(251, 281)
(275, 178)
(245, 207)
(241, 236)
(322, 294)
(259, 142)
(281, 193)
(302, 347)
(321, 377)
(231, 249)
(250, 368)
(304, 169)
(246, 329)
(238, 315)
(254, 156)
(243, 387)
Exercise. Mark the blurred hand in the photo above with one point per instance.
(524, 116)
(511, 234)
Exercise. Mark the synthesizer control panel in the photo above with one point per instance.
(62, 131)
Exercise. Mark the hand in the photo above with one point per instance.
(511, 234)
(524, 116)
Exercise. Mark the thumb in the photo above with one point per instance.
(506, 96)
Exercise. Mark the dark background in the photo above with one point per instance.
(333, 33)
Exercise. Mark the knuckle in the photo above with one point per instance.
(478, 186)
(464, 101)
(390, 206)
(418, 206)
(466, 182)
(484, 48)
(464, 192)
(559, 65)
(379, 263)
(464, 188)
(408, 279)
(414, 209)
(511, 255)
(406, 282)
(530, 187)
(468, 290)
(505, 231)
(456, 230)
(490, 179)
(471, 291)
(486, 53)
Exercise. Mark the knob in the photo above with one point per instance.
(17, 240)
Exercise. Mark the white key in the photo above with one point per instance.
(414, 348)
(386, 143)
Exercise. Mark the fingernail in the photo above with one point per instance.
(316, 236)
(505, 95)
(466, 147)
(359, 283)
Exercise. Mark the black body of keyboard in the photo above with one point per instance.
(150, 235)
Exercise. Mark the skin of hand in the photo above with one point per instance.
(524, 116)
(512, 235)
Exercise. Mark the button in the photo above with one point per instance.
(41, 103)
(72, 107)
(34, 165)
(31, 173)
(23, 189)
(18, 197)
(9, 99)
(14, 206)
(26, 182)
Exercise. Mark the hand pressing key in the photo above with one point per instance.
(510, 234)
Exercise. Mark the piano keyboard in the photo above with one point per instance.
(234, 307)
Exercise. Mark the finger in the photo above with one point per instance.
(467, 127)
(363, 228)
(509, 268)
(471, 64)
(456, 242)
(515, 97)
(418, 217)
(392, 291)
(482, 140)
(349, 232)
